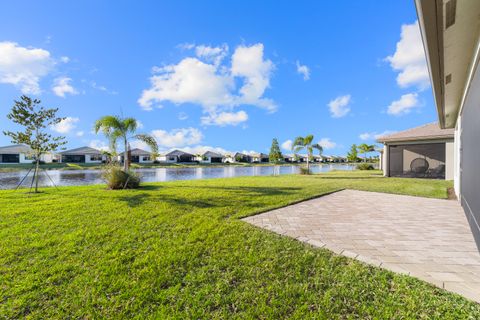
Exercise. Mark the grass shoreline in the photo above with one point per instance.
(179, 250)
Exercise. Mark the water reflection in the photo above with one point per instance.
(10, 180)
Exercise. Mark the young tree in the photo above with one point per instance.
(365, 149)
(28, 113)
(275, 154)
(116, 128)
(306, 143)
(352, 156)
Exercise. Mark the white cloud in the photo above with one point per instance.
(326, 143)
(374, 135)
(65, 59)
(139, 124)
(98, 144)
(182, 116)
(62, 86)
(24, 67)
(403, 106)
(80, 133)
(287, 145)
(66, 125)
(223, 119)
(212, 54)
(177, 137)
(303, 70)
(203, 80)
(409, 58)
(339, 107)
(190, 81)
(248, 62)
(186, 46)
(96, 86)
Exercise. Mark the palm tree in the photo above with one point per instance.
(365, 149)
(306, 143)
(116, 128)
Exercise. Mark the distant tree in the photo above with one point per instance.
(275, 154)
(306, 143)
(352, 156)
(116, 128)
(365, 149)
(28, 113)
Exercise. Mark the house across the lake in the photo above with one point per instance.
(259, 157)
(241, 157)
(176, 156)
(20, 153)
(210, 157)
(138, 156)
(82, 155)
(421, 152)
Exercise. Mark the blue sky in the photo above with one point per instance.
(226, 75)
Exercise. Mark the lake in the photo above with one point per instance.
(9, 180)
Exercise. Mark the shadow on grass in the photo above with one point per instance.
(243, 196)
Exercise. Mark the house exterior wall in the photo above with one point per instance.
(449, 160)
(469, 155)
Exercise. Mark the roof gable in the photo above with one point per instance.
(430, 131)
(178, 153)
(16, 148)
(212, 154)
(82, 150)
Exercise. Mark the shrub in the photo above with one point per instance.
(156, 162)
(365, 166)
(305, 170)
(116, 178)
(39, 162)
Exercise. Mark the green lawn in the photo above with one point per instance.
(179, 250)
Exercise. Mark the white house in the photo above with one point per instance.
(259, 157)
(177, 156)
(20, 153)
(451, 38)
(210, 157)
(82, 155)
(238, 157)
(290, 158)
(138, 156)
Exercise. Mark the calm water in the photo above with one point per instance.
(10, 180)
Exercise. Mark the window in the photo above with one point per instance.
(73, 158)
(146, 158)
(29, 157)
(96, 157)
(171, 158)
(9, 158)
(417, 160)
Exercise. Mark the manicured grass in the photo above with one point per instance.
(179, 250)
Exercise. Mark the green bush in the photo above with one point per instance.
(365, 166)
(116, 178)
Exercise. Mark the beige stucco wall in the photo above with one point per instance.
(449, 160)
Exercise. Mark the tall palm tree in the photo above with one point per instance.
(116, 128)
(306, 143)
(365, 149)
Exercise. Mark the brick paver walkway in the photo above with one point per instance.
(426, 238)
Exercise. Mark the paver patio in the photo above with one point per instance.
(426, 238)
